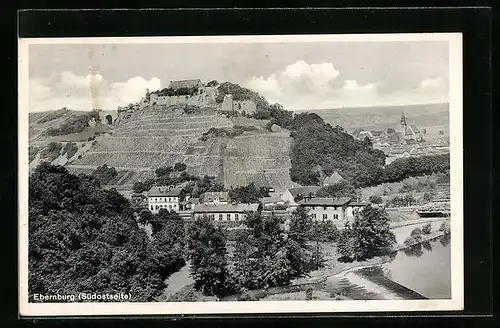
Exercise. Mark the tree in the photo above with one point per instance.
(85, 238)
(375, 199)
(427, 228)
(105, 174)
(341, 189)
(138, 187)
(179, 167)
(248, 194)
(369, 235)
(390, 130)
(163, 171)
(208, 255)
(441, 132)
(427, 197)
(409, 200)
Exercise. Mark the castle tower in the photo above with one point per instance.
(95, 80)
(227, 104)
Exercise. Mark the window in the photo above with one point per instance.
(324, 208)
(228, 216)
(152, 208)
(325, 216)
(170, 206)
(211, 216)
(236, 217)
(220, 217)
(157, 207)
(313, 216)
(335, 216)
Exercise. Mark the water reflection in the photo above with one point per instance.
(427, 245)
(415, 250)
(445, 239)
(424, 268)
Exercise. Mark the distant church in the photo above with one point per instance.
(410, 131)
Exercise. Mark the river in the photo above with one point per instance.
(422, 271)
(424, 268)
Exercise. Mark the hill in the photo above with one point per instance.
(161, 136)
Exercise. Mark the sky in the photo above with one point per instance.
(298, 75)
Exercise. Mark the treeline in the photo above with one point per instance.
(248, 194)
(368, 236)
(176, 175)
(85, 238)
(177, 92)
(317, 144)
(235, 131)
(74, 124)
(264, 256)
(53, 115)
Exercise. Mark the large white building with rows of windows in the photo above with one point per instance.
(163, 198)
(224, 212)
(339, 211)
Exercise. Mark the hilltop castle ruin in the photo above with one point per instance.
(195, 93)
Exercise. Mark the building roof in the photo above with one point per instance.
(333, 179)
(304, 191)
(226, 208)
(325, 201)
(156, 191)
(414, 128)
(184, 84)
(271, 199)
(362, 204)
(376, 133)
(209, 195)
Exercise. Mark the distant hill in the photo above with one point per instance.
(351, 118)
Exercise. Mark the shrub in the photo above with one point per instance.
(426, 229)
(74, 124)
(445, 227)
(70, 149)
(375, 199)
(51, 152)
(105, 174)
(416, 232)
(53, 115)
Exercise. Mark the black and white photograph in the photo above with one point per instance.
(240, 174)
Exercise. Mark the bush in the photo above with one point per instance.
(74, 124)
(70, 149)
(51, 152)
(53, 115)
(416, 232)
(105, 174)
(427, 229)
(445, 227)
(375, 199)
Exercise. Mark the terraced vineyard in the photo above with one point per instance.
(155, 138)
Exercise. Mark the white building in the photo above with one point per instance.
(224, 213)
(163, 198)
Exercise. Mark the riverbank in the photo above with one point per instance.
(324, 283)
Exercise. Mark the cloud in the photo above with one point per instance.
(433, 83)
(74, 91)
(302, 85)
